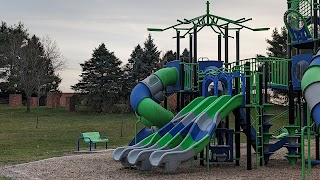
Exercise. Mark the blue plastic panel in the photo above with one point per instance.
(300, 35)
(176, 88)
(204, 64)
(176, 129)
(316, 114)
(315, 61)
(299, 64)
(166, 128)
(139, 92)
(145, 132)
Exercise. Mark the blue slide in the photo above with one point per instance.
(311, 88)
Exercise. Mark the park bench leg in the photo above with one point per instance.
(90, 143)
(95, 145)
(106, 145)
(78, 144)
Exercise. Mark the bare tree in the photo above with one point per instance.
(26, 60)
(52, 52)
(53, 62)
(35, 64)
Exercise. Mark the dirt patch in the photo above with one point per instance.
(102, 166)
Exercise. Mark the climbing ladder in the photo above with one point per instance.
(298, 20)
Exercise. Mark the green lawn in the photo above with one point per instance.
(58, 131)
(57, 134)
(5, 178)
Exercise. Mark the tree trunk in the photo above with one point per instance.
(28, 102)
(38, 103)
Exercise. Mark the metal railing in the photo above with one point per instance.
(303, 163)
(189, 78)
(277, 70)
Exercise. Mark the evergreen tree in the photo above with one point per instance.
(139, 68)
(142, 62)
(278, 44)
(185, 55)
(133, 70)
(151, 57)
(101, 80)
(169, 56)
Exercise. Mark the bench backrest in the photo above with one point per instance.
(91, 135)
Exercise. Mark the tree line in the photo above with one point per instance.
(28, 63)
(105, 81)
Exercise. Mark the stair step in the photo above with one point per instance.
(268, 134)
(220, 146)
(267, 114)
(268, 153)
(292, 145)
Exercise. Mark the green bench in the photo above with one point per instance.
(92, 138)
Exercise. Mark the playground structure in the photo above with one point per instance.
(214, 89)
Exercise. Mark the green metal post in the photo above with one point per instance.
(308, 133)
(135, 130)
(303, 163)
(308, 127)
(207, 157)
(260, 123)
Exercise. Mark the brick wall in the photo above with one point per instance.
(173, 102)
(64, 97)
(53, 99)
(70, 104)
(34, 101)
(15, 100)
(172, 99)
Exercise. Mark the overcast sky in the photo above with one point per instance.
(79, 26)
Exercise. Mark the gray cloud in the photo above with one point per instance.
(80, 26)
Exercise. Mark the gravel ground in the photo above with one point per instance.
(102, 166)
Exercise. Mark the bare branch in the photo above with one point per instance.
(52, 52)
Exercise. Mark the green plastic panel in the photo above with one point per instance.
(168, 76)
(310, 76)
(228, 107)
(191, 105)
(225, 110)
(187, 142)
(156, 114)
(146, 122)
(200, 145)
(148, 139)
(164, 140)
(212, 110)
(204, 105)
(175, 141)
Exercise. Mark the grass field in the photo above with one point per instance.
(5, 178)
(57, 134)
(58, 131)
